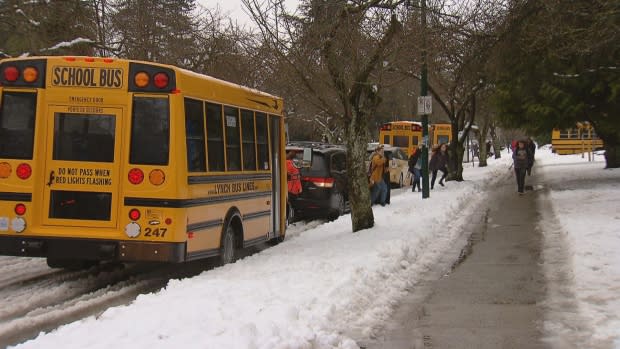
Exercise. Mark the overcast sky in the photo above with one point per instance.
(234, 8)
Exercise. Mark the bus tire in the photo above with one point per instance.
(228, 249)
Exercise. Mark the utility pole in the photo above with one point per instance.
(423, 94)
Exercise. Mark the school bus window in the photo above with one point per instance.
(150, 131)
(262, 135)
(215, 137)
(80, 205)
(247, 135)
(443, 139)
(195, 136)
(83, 137)
(17, 117)
(401, 141)
(233, 139)
(386, 139)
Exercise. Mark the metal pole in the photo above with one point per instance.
(424, 92)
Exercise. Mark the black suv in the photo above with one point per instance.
(324, 182)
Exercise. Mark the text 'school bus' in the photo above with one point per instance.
(111, 159)
(576, 140)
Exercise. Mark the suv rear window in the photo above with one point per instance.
(150, 131)
(17, 116)
(319, 167)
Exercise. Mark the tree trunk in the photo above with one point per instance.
(482, 149)
(497, 149)
(359, 194)
(612, 155)
(460, 152)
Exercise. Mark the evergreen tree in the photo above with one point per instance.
(560, 66)
(154, 30)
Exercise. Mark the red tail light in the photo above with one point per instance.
(136, 176)
(321, 182)
(134, 214)
(11, 74)
(160, 80)
(20, 209)
(386, 127)
(24, 171)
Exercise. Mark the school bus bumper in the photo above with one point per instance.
(92, 249)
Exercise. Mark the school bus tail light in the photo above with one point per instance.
(132, 229)
(20, 209)
(135, 176)
(134, 214)
(5, 170)
(141, 79)
(31, 74)
(160, 80)
(151, 78)
(24, 171)
(157, 177)
(11, 73)
(18, 224)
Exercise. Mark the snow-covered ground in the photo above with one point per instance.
(323, 284)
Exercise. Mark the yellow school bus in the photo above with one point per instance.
(121, 160)
(576, 140)
(408, 134)
(403, 134)
(441, 133)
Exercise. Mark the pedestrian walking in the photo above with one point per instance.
(439, 162)
(415, 168)
(378, 188)
(520, 157)
(386, 178)
(531, 147)
(293, 179)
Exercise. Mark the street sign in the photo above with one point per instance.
(425, 105)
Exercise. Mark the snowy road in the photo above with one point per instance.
(35, 298)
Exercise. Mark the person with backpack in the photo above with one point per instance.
(415, 168)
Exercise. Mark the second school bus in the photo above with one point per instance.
(576, 140)
(408, 134)
(112, 159)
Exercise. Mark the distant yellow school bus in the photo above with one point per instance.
(576, 140)
(442, 133)
(408, 134)
(403, 134)
(121, 160)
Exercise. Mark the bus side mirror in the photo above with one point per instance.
(307, 158)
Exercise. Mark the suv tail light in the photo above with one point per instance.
(321, 182)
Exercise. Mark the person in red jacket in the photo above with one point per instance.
(293, 179)
(293, 176)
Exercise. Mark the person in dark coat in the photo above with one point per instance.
(531, 147)
(386, 177)
(439, 162)
(415, 167)
(520, 157)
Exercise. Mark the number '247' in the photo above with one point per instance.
(157, 232)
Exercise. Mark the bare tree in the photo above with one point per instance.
(335, 50)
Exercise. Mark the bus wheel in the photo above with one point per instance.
(228, 253)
